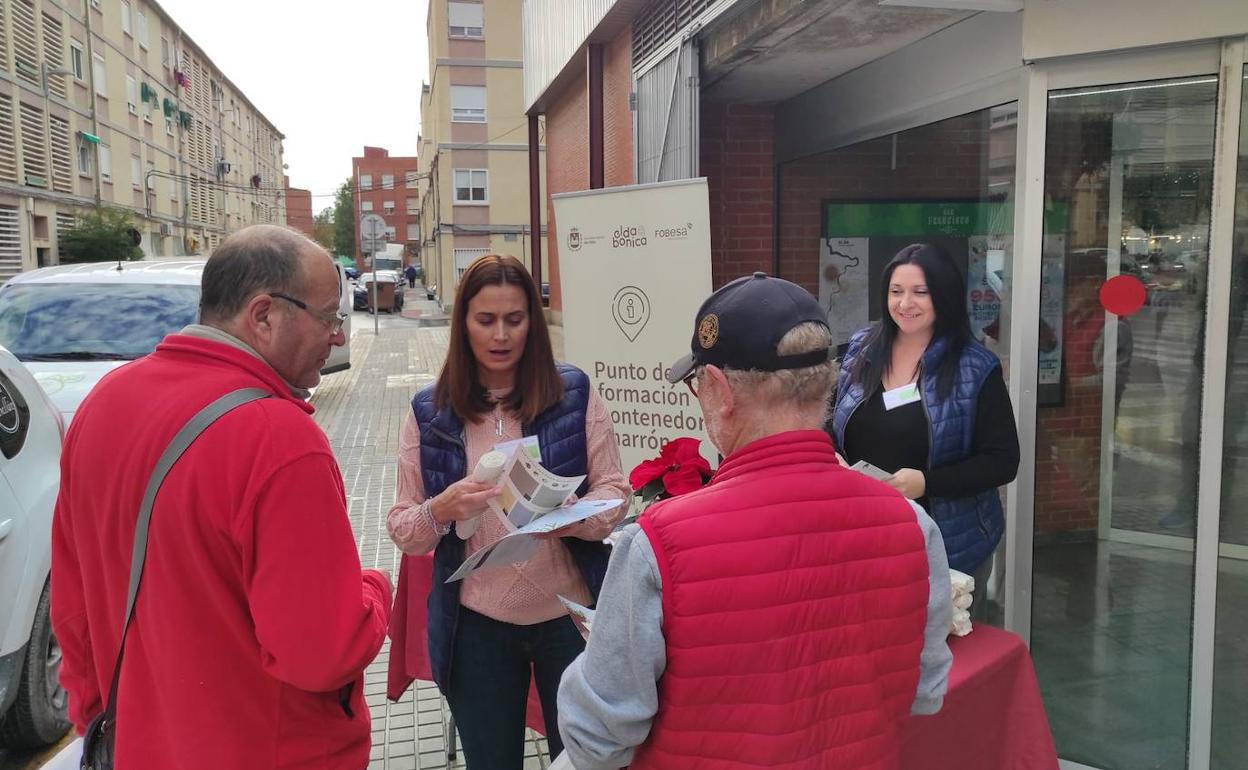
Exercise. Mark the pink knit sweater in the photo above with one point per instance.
(526, 593)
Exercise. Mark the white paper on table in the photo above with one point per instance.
(518, 546)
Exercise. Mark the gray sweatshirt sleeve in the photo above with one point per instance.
(936, 659)
(609, 695)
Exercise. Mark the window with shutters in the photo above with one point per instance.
(141, 29)
(132, 95)
(466, 19)
(410, 178)
(387, 207)
(387, 181)
(136, 173)
(472, 185)
(413, 205)
(34, 159)
(62, 161)
(106, 162)
(25, 46)
(125, 18)
(468, 104)
(10, 243)
(8, 141)
(4, 37)
(99, 74)
(77, 57)
(413, 232)
(464, 258)
(86, 151)
(366, 181)
(54, 54)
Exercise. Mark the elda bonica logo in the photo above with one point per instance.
(628, 237)
(574, 239)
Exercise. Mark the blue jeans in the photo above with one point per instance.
(490, 671)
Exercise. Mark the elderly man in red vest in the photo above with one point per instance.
(792, 613)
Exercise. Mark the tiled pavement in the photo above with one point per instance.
(362, 411)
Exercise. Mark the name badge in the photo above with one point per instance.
(529, 444)
(906, 394)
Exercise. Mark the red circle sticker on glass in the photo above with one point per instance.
(1122, 295)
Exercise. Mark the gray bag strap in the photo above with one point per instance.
(138, 555)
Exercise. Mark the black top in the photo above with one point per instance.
(896, 439)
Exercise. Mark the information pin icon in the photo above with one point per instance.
(631, 311)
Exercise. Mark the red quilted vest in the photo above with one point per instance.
(794, 601)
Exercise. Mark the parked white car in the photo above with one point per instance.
(32, 702)
(72, 324)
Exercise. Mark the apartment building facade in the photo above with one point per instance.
(473, 150)
(388, 187)
(108, 103)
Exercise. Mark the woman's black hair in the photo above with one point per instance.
(947, 289)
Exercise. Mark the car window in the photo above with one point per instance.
(48, 322)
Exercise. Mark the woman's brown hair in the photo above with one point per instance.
(538, 385)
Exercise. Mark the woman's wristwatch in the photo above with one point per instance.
(426, 510)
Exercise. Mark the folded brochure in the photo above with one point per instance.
(519, 546)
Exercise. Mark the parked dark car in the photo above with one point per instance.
(360, 300)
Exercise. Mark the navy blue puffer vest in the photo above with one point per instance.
(971, 526)
(443, 461)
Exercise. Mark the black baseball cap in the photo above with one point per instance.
(740, 325)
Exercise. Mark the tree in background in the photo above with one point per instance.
(102, 235)
(323, 229)
(344, 220)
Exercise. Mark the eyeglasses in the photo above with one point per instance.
(332, 321)
(691, 382)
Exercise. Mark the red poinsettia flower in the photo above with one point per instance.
(680, 467)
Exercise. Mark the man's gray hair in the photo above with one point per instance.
(254, 260)
(807, 388)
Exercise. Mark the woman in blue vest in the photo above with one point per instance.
(494, 632)
(920, 398)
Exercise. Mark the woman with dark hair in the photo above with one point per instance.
(489, 634)
(920, 398)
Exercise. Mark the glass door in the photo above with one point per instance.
(1128, 197)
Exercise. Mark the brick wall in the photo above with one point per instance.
(867, 172)
(567, 141)
(738, 160)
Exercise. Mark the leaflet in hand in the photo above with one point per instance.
(582, 616)
(520, 545)
(867, 469)
(530, 491)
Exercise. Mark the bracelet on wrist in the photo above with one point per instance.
(426, 509)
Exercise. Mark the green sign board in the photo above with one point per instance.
(850, 220)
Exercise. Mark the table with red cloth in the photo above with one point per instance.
(993, 717)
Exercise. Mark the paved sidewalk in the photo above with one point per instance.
(362, 411)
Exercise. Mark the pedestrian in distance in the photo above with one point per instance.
(920, 398)
(410, 273)
(792, 613)
(253, 622)
(493, 633)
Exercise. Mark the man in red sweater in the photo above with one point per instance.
(254, 621)
(790, 614)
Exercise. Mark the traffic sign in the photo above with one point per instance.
(372, 233)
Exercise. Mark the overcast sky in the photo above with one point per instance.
(331, 78)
